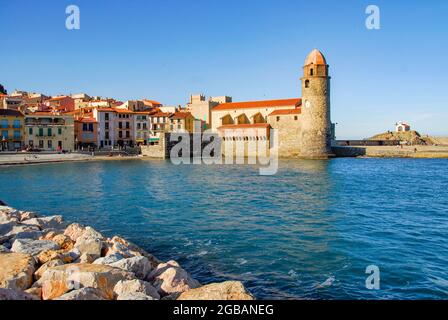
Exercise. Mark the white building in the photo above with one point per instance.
(106, 126)
(402, 127)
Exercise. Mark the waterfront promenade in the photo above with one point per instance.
(37, 158)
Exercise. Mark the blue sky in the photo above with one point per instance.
(248, 49)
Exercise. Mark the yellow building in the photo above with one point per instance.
(181, 122)
(11, 126)
(49, 131)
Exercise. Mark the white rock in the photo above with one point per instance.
(51, 222)
(169, 278)
(135, 296)
(33, 247)
(127, 287)
(129, 250)
(140, 266)
(90, 246)
(83, 294)
(109, 259)
(228, 290)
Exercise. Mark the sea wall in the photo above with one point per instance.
(391, 151)
(45, 258)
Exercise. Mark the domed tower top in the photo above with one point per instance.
(315, 57)
(315, 65)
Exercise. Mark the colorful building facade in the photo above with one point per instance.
(11, 130)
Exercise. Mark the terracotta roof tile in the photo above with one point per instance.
(286, 112)
(258, 104)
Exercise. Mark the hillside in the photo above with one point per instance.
(409, 136)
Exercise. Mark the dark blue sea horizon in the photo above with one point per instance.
(308, 232)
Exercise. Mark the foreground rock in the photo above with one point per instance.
(51, 222)
(140, 266)
(60, 280)
(229, 290)
(135, 296)
(170, 278)
(33, 247)
(130, 287)
(42, 259)
(11, 294)
(83, 294)
(16, 271)
(48, 265)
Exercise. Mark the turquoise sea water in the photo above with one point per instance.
(308, 232)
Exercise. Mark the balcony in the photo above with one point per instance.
(11, 127)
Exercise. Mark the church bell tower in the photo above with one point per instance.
(315, 140)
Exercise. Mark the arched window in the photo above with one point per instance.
(307, 83)
(311, 72)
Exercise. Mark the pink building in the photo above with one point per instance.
(61, 103)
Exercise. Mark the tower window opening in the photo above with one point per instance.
(311, 72)
(307, 83)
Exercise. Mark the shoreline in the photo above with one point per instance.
(386, 152)
(46, 258)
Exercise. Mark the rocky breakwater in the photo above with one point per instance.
(43, 258)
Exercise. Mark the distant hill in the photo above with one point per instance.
(411, 136)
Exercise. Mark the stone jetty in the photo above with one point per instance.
(44, 258)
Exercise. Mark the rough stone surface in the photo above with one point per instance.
(89, 246)
(109, 259)
(90, 242)
(170, 278)
(49, 255)
(51, 222)
(6, 227)
(74, 254)
(135, 296)
(140, 266)
(33, 235)
(33, 247)
(4, 249)
(11, 294)
(74, 231)
(135, 286)
(16, 270)
(59, 280)
(129, 250)
(35, 292)
(26, 215)
(50, 264)
(229, 290)
(86, 258)
(63, 241)
(83, 294)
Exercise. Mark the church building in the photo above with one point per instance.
(303, 124)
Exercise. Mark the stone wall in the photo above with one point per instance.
(157, 150)
(289, 133)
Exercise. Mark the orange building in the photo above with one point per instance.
(86, 132)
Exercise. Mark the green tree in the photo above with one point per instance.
(2, 89)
